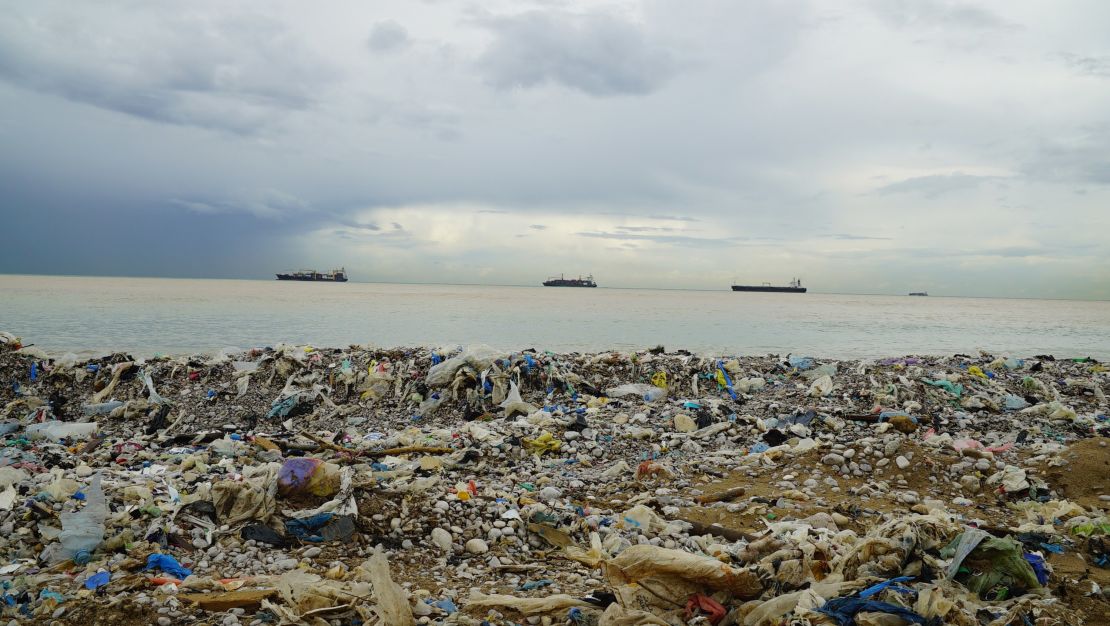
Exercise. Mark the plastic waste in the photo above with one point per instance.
(800, 362)
(947, 385)
(514, 404)
(57, 431)
(989, 566)
(307, 475)
(478, 357)
(821, 387)
(82, 531)
(844, 611)
(167, 564)
(102, 408)
(430, 404)
(98, 579)
(392, 605)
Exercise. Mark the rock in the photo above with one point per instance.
(832, 459)
(902, 462)
(313, 552)
(970, 483)
(477, 546)
(442, 539)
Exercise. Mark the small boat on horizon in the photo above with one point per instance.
(795, 286)
(918, 293)
(562, 281)
(334, 276)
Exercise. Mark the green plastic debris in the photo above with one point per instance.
(989, 566)
(947, 385)
(1092, 528)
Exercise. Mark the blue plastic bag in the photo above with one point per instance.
(167, 564)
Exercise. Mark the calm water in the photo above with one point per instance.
(170, 316)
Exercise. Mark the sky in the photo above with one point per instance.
(959, 148)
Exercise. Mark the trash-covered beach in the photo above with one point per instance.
(312, 485)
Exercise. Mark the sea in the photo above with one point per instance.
(147, 317)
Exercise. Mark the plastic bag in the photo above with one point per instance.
(632, 390)
(82, 531)
(514, 404)
(307, 475)
(392, 606)
(821, 387)
(558, 603)
(680, 573)
(479, 357)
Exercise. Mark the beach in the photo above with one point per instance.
(294, 482)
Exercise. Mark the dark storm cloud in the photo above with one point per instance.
(387, 36)
(232, 74)
(935, 185)
(597, 54)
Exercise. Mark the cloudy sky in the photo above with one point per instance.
(875, 146)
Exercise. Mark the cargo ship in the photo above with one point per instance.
(334, 276)
(795, 286)
(561, 281)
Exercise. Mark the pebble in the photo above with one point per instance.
(832, 459)
(442, 539)
(477, 546)
(902, 462)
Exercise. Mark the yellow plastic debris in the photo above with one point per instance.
(546, 442)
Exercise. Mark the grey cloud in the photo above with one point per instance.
(676, 240)
(232, 74)
(847, 237)
(935, 185)
(1082, 158)
(1088, 65)
(597, 54)
(262, 203)
(938, 13)
(645, 229)
(387, 36)
(537, 227)
(674, 218)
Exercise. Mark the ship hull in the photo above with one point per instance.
(556, 283)
(768, 289)
(311, 279)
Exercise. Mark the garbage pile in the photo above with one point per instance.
(301, 485)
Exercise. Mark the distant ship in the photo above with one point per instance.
(334, 276)
(570, 282)
(919, 293)
(795, 286)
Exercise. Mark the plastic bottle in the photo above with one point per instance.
(103, 408)
(82, 531)
(55, 430)
(653, 394)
